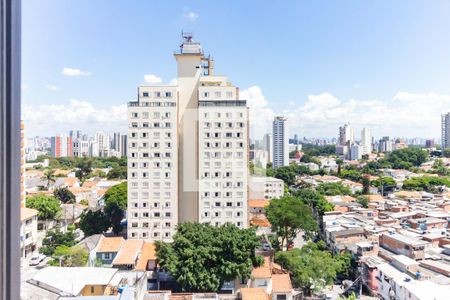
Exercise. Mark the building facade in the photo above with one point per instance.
(280, 142)
(61, 146)
(187, 151)
(445, 130)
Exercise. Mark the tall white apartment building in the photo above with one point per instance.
(153, 163)
(187, 151)
(223, 153)
(346, 134)
(81, 148)
(280, 142)
(366, 141)
(445, 130)
(104, 144)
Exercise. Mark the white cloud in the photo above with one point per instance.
(152, 79)
(74, 72)
(405, 114)
(77, 114)
(191, 16)
(260, 114)
(51, 87)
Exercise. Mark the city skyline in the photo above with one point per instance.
(327, 75)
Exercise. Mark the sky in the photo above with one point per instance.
(384, 64)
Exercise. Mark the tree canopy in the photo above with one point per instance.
(84, 169)
(93, 222)
(118, 172)
(288, 216)
(64, 195)
(65, 256)
(54, 238)
(407, 158)
(315, 200)
(48, 206)
(312, 267)
(117, 194)
(333, 189)
(426, 183)
(203, 257)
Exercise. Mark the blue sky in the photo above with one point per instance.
(380, 64)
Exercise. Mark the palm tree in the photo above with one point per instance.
(49, 176)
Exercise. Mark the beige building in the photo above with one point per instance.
(261, 187)
(28, 231)
(187, 151)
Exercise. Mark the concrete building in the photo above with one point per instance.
(280, 142)
(104, 144)
(153, 164)
(124, 145)
(61, 146)
(187, 150)
(385, 145)
(356, 152)
(265, 187)
(268, 145)
(366, 141)
(346, 134)
(80, 148)
(402, 244)
(445, 130)
(28, 231)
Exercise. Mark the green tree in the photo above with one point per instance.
(311, 267)
(426, 183)
(333, 189)
(64, 195)
(119, 172)
(363, 200)
(65, 256)
(446, 152)
(407, 158)
(365, 180)
(84, 169)
(48, 206)
(49, 177)
(315, 200)
(117, 194)
(93, 222)
(288, 216)
(54, 238)
(114, 215)
(286, 173)
(203, 257)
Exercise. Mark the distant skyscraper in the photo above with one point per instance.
(385, 144)
(116, 141)
(61, 146)
(123, 145)
(366, 141)
(445, 130)
(280, 142)
(346, 135)
(268, 145)
(104, 144)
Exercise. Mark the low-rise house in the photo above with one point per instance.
(76, 281)
(128, 255)
(427, 223)
(402, 244)
(270, 281)
(107, 249)
(28, 231)
(147, 258)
